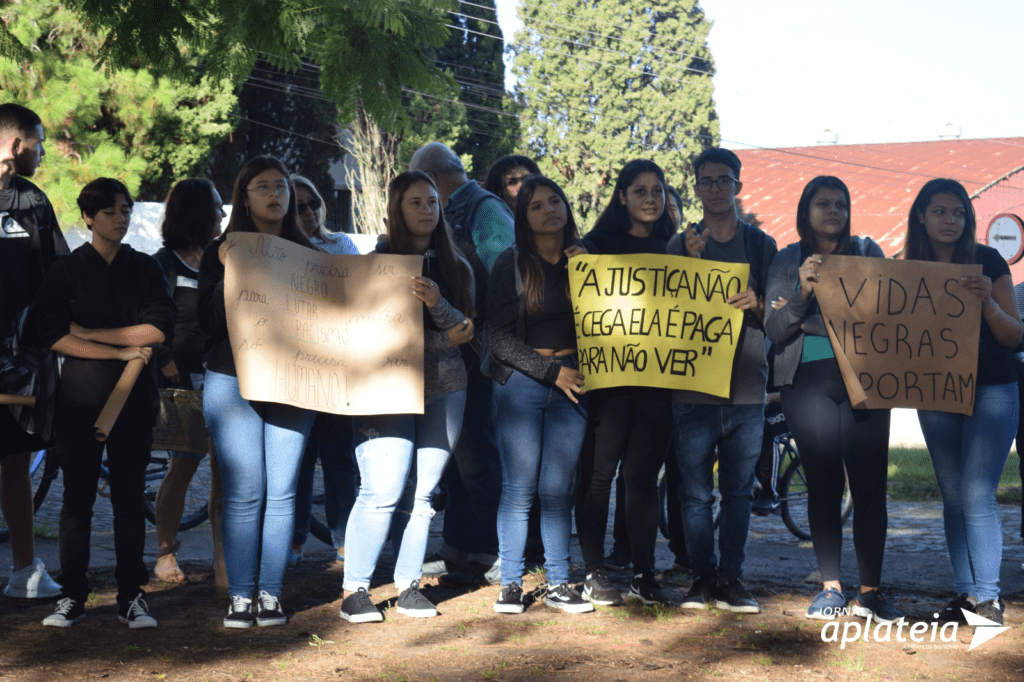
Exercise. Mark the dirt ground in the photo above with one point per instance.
(471, 642)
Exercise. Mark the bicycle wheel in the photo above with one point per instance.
(43, 467)
(793, 491)
(318, 517)
(196, 496)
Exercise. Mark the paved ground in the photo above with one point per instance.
(916, 559)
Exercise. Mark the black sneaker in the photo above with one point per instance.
(411, 602)
(874, 604)
(992, 610)
(239, 614)
(732, 596)
(358, 608)
(619, 559)
(701, 594)
(598, 589)
(69, 611)
(953, 612)
(135, 613)
(569, 600)
(645, 588)
(269, 611)
(510, 600)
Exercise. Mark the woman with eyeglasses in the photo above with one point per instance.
(505, 177)
(331, 437)
(829, 432)
(969, 452)
(259, 445)
(630, 423)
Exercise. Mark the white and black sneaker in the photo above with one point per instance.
(239, 614)
(645, 588)
(269, 611)
(358, 608)
(598, 589)
(411, 602)
(569, 600)
(135, 613)
(69, 611)
(510, 600)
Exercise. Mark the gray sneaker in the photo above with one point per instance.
(411, 602)
(874, 604)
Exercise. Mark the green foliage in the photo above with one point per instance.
(602, 83)
(146, 131)
(368, 50)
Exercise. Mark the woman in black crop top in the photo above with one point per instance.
(969, 452)
(540, 413)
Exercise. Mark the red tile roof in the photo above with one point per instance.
(883, 181)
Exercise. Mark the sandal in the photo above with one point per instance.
(166, 568)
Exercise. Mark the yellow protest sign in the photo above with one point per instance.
(338, 334)
(654, 320)
(905, 333)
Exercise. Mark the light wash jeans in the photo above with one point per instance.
(391, 449)
(968, 454)
(258, 448)
(540, 433)
(737, 430)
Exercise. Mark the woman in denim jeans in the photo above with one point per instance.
(539, 421)
(969, 453)
(401, 456)
(258, 445)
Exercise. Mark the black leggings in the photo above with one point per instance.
(829, 433)
(632, 424)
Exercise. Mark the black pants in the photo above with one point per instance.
(828, 434)
(634, 425)
(674, 510)
(1020, 438)
(127, 457)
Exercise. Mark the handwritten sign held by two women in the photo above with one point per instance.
(905, 333)
(338, 334)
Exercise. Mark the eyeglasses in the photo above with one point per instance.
(724, 183)
(313, 204)
(280, 189)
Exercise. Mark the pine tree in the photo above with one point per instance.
(602, 83)
(146, 131)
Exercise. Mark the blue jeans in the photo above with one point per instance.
(331, 441)
(968, 454)
(737, 431)
(389, 450)
(259, 447)
(473, 479)
(539, 437)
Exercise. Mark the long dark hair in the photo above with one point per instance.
(494, 182)
(191, 220)
(615, 218)
(918, 246)
(241, 221)
(530, 266)
(456, 272)
(803, 213)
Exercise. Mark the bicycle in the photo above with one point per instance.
(44, 468)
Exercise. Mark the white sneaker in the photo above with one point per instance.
(32, 582)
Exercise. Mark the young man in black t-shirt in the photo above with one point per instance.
(29, 239)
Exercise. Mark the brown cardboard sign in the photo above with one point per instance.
(905, 333)
(338, 334)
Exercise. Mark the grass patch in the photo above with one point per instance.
(912, 479)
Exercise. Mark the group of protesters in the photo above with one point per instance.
(509, 430)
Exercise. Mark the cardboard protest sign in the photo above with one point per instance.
(905, 333)
(338, 334)
(653, 320)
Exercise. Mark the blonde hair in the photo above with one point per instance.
(321, 213)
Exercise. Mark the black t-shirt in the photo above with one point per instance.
(995, 361)
(81, 287)
(554, 325)
(29, 238)
(605, 242)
